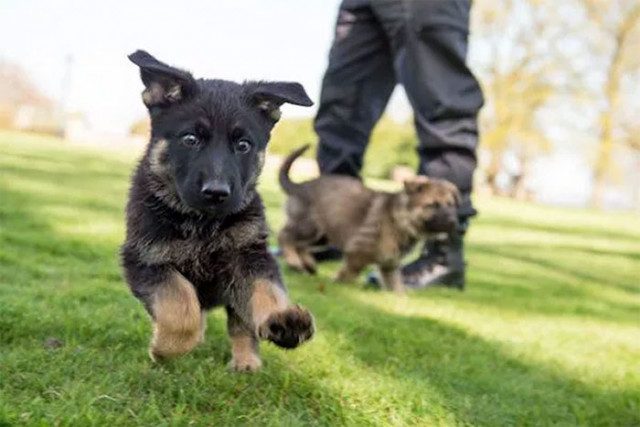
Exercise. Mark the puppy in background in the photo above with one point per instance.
(369, 227)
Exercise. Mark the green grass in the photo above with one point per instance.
(548, 331)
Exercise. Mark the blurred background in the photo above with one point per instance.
(561, 81)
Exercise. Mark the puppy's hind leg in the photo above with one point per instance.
(392, 279)
(295, 240)
(308, 261)
(289, 251)
(351, 268)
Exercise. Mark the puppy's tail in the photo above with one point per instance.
(287, 185)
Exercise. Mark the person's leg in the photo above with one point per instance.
(446, 99)
(355, 90)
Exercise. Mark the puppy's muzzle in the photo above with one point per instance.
(444, 219)
(215, 191)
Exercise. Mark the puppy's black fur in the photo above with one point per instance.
(195, 224)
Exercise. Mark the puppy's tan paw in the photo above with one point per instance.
(288, 328)
(157, 357)
(344, 276)
(245, 363)
(400, 291)
(169, 346)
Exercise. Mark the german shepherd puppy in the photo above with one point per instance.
(369, 227)
(196, 231)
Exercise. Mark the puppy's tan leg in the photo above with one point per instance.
(295, 239)
(351, 268)
(346, 274)
(295, 252)
(298, 259)
(244, 344)
(263, 311)
(291, 257)
(392, 279)
(268, 315)
(245, 356)
(289, 250)
(308, 261)
(177, 318)
(274, 319)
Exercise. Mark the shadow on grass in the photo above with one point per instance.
(477, 379)
(531, 254)
(553, 287)
(509, 222)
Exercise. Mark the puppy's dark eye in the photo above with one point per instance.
(242, 146)
(190, 140)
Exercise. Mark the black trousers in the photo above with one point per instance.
(421, 44)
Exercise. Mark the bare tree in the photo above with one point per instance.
(17, 90)
(524, 69)
(617, 21)
(631, 142)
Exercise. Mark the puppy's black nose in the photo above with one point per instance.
(215, 191)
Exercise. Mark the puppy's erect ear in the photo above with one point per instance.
(164, 85)
(416, 184)
(269, 96)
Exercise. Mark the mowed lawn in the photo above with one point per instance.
(548, 331)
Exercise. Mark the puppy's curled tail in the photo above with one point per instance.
(287, 185)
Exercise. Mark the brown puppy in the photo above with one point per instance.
(370, 227)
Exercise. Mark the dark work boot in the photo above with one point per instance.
(440, 263)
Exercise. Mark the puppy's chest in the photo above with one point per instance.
(393, 243)
(206, 255)
(198, 256)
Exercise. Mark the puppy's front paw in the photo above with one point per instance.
(245, 363)
(345, 275)
(156, 357)
(288, 328)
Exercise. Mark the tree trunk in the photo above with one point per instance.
(612, 89)
(605, 148)
(597, 193)
(492, 174)
(636, 190)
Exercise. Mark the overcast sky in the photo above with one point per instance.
(237, 40)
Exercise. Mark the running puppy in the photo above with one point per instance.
(369, 227)
(196, 232)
